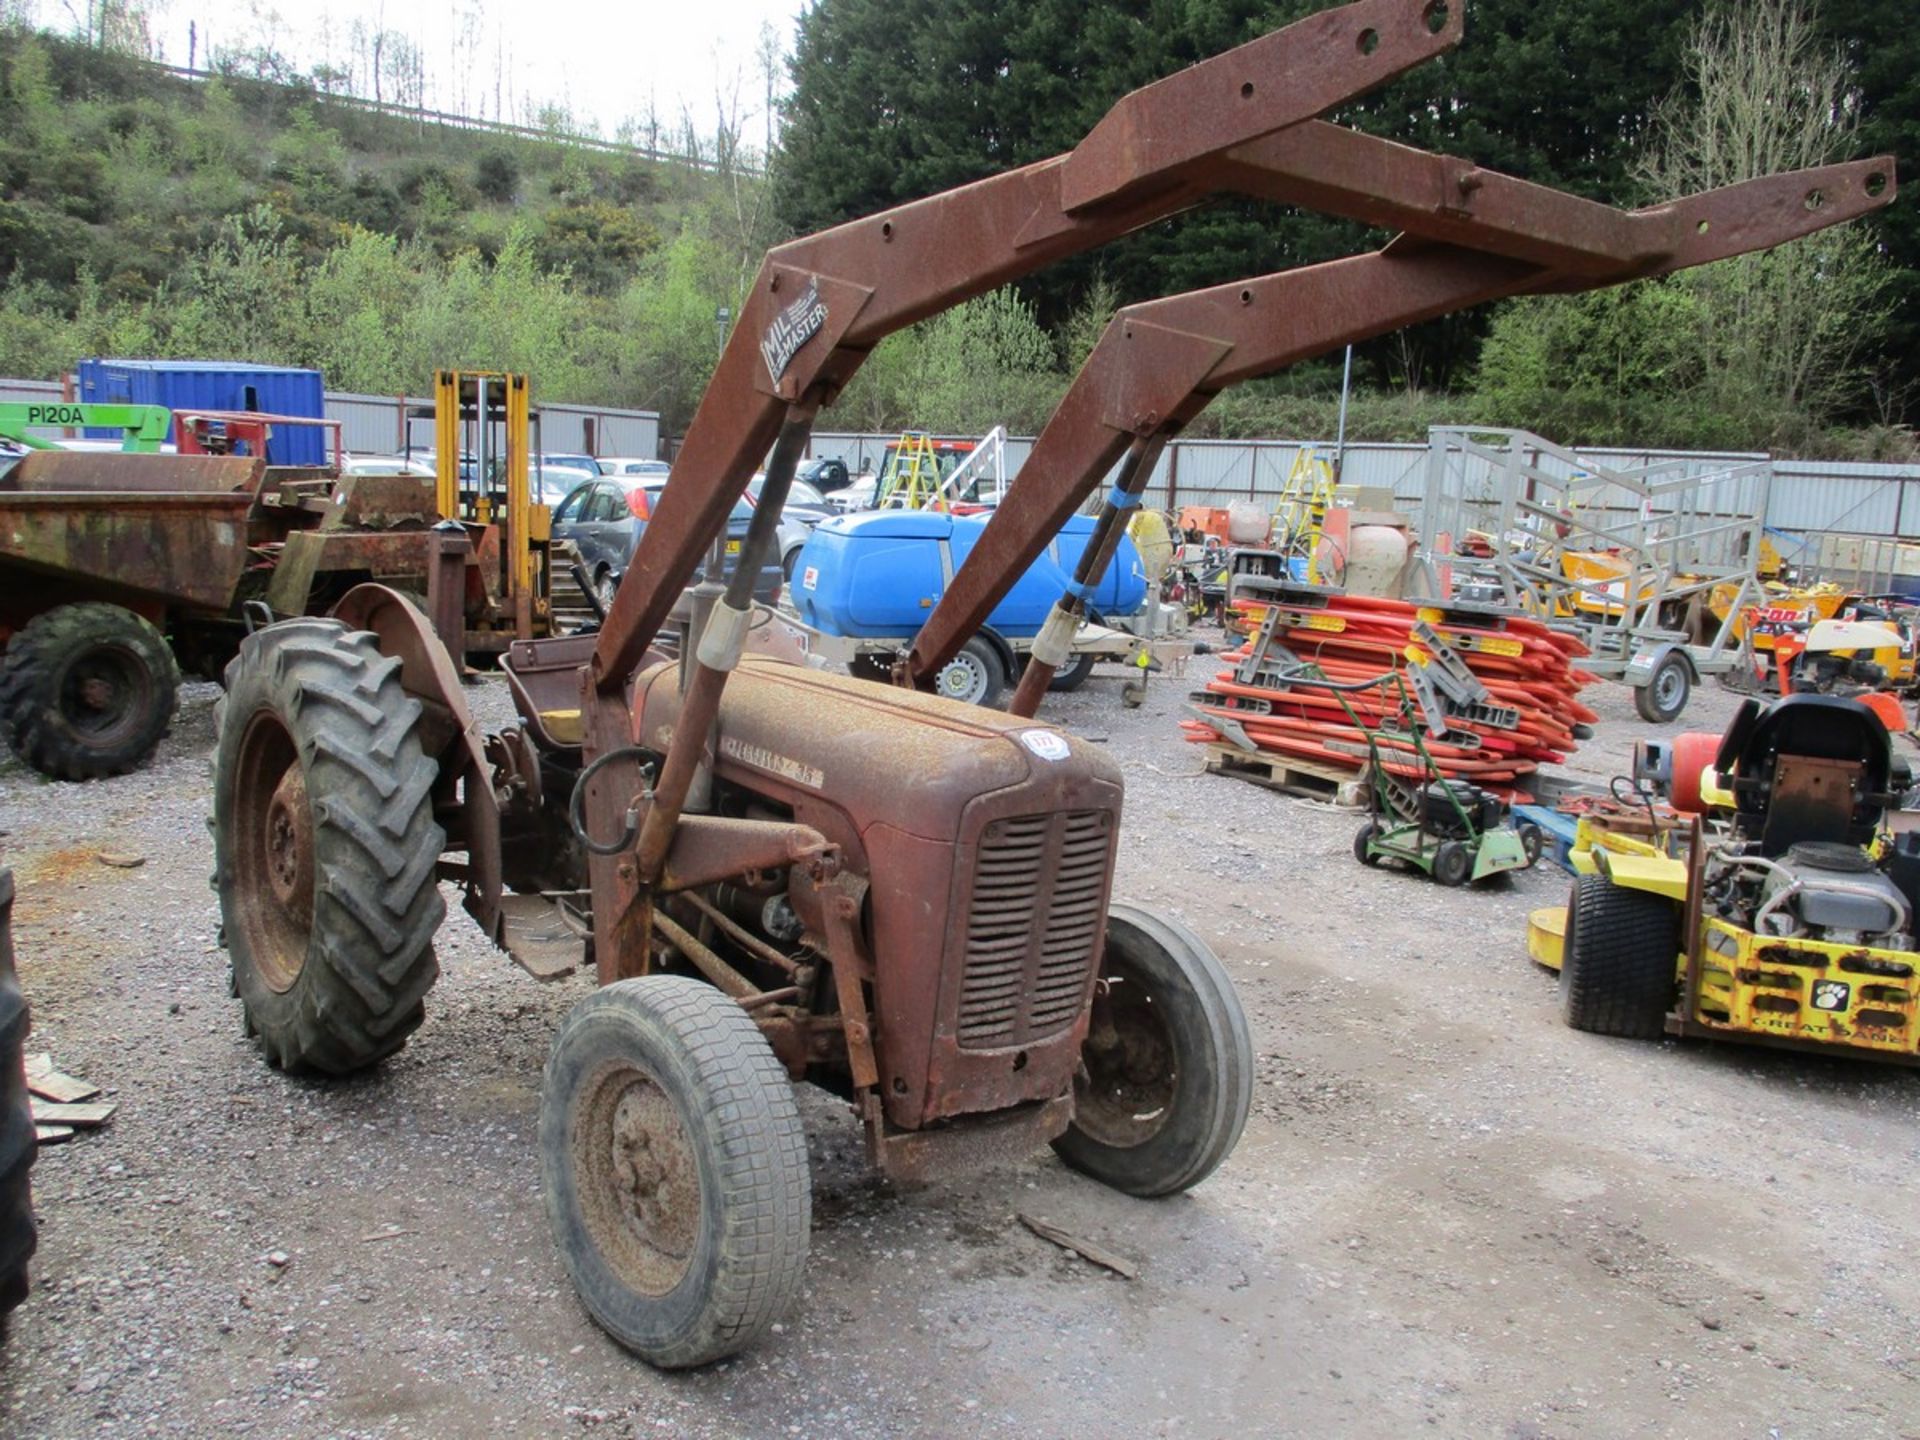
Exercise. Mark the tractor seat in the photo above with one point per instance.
(1807, 768)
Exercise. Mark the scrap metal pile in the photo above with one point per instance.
(1494, 695)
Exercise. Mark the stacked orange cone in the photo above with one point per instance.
(1525, 667)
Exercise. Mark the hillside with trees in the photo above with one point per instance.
(269, 213)
(151, 214)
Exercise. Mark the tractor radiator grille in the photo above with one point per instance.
(1034, 927)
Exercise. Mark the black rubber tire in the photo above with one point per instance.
(1362, 838)
(1618, 968)
(1661, 700)
(981, 663)
(1533, 840)
(868, 666)
(46, 722)
(336, 981)
(1207, 1047)
(18, 1147)
(1074, 674)
(1452, 864)
(672, 1039)
(606, 585)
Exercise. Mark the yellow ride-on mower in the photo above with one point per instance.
(1794, 926)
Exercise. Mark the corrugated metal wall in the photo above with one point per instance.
(1808, 496)
(374, 424)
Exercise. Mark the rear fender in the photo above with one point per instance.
(431, 676)
(1655, 874)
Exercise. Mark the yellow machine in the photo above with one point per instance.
(1794, 926)
(480, 453)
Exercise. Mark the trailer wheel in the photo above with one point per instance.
(87, 690)
(1619, 969)
(975, 675)
(1166, 1073)
(325, 846)
(1666, 692)
(674, 1168)
(18, 1147)
(1074, 674)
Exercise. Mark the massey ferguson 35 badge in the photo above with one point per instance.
(792, 328)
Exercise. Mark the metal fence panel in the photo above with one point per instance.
(29, 392)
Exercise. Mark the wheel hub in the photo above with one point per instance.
(1125, 1087)
(102, 694)
(959, 680)
(289, 843)
(273, 863)
(638, 1179)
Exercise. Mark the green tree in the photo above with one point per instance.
(894, 99)
(1762, 349)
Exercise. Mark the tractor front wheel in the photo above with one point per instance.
(325, 846)
(674, 1167)
(87, 690)
(1166, 1073)
(1619, 969)
(17, 1143)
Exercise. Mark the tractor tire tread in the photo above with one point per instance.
(743, 1104)
(377, 904)
(1618, 971)
(28, 713)
(19, 1146)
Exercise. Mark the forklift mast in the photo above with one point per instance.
(481, 425)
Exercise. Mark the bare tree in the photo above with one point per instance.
(1764, 94)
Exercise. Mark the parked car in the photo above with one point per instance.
(629, 468)
(827, 474)
(386, 465)
(605, 521)
(855, 496)
(806, 507)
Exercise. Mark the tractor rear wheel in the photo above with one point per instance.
(674, 1168)
(87, 690)
(325, 846)
(1619, 968)
(1166, 1073)
(17, 1144)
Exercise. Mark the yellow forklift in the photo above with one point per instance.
(482, 420)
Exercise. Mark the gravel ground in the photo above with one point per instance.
(1448, 1210)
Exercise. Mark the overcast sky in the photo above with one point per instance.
(605, 60)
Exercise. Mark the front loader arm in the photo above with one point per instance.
(822, 302)
(1159, 363)
(818, 307)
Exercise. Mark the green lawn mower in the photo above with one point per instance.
(1454, 830)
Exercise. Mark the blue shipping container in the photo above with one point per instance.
(216, 385)
(880, 574)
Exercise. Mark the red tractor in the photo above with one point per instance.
(788, 875)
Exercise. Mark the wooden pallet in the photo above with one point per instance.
(1286, 773)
